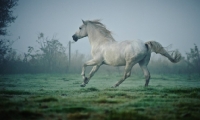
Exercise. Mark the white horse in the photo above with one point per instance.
(105, 50)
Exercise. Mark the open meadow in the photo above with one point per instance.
(60, 97)
(44, 45)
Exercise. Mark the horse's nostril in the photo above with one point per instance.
(75, 38)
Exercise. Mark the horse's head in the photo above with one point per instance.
(82, 32)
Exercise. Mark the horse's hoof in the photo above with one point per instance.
(86, 80)
(82, 85)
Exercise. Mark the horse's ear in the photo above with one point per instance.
(150, 43)
(84, 22)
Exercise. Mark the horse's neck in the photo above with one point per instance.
(97, 39)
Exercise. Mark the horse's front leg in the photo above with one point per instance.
(92, 72)
(94, 69)
(83, 72)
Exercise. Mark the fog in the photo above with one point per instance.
(174, 22)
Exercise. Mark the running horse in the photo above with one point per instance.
(105, 50)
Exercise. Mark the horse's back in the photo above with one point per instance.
(138, 47)
(135, 49)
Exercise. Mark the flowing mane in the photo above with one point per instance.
(102, 29)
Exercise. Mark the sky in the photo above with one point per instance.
(175, 22)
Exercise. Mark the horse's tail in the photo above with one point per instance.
(158, 48)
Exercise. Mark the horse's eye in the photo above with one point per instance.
(79, 28)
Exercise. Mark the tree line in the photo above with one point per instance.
(52, 57)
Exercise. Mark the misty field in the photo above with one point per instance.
(60, 97)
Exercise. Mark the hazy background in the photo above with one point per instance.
(174, 22)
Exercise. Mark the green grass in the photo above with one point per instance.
(59, 96)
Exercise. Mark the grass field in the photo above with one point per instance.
(60, 97)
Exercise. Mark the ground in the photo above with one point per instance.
(60, 97)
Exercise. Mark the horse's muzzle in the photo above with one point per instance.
(75, 38)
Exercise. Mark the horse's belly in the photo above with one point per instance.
(115, 63)
(114, 60)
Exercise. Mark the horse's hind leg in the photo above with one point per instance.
(146, 74)
(143, 64)
(127, 73)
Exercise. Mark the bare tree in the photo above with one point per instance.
(193, 59)
(51, 56)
